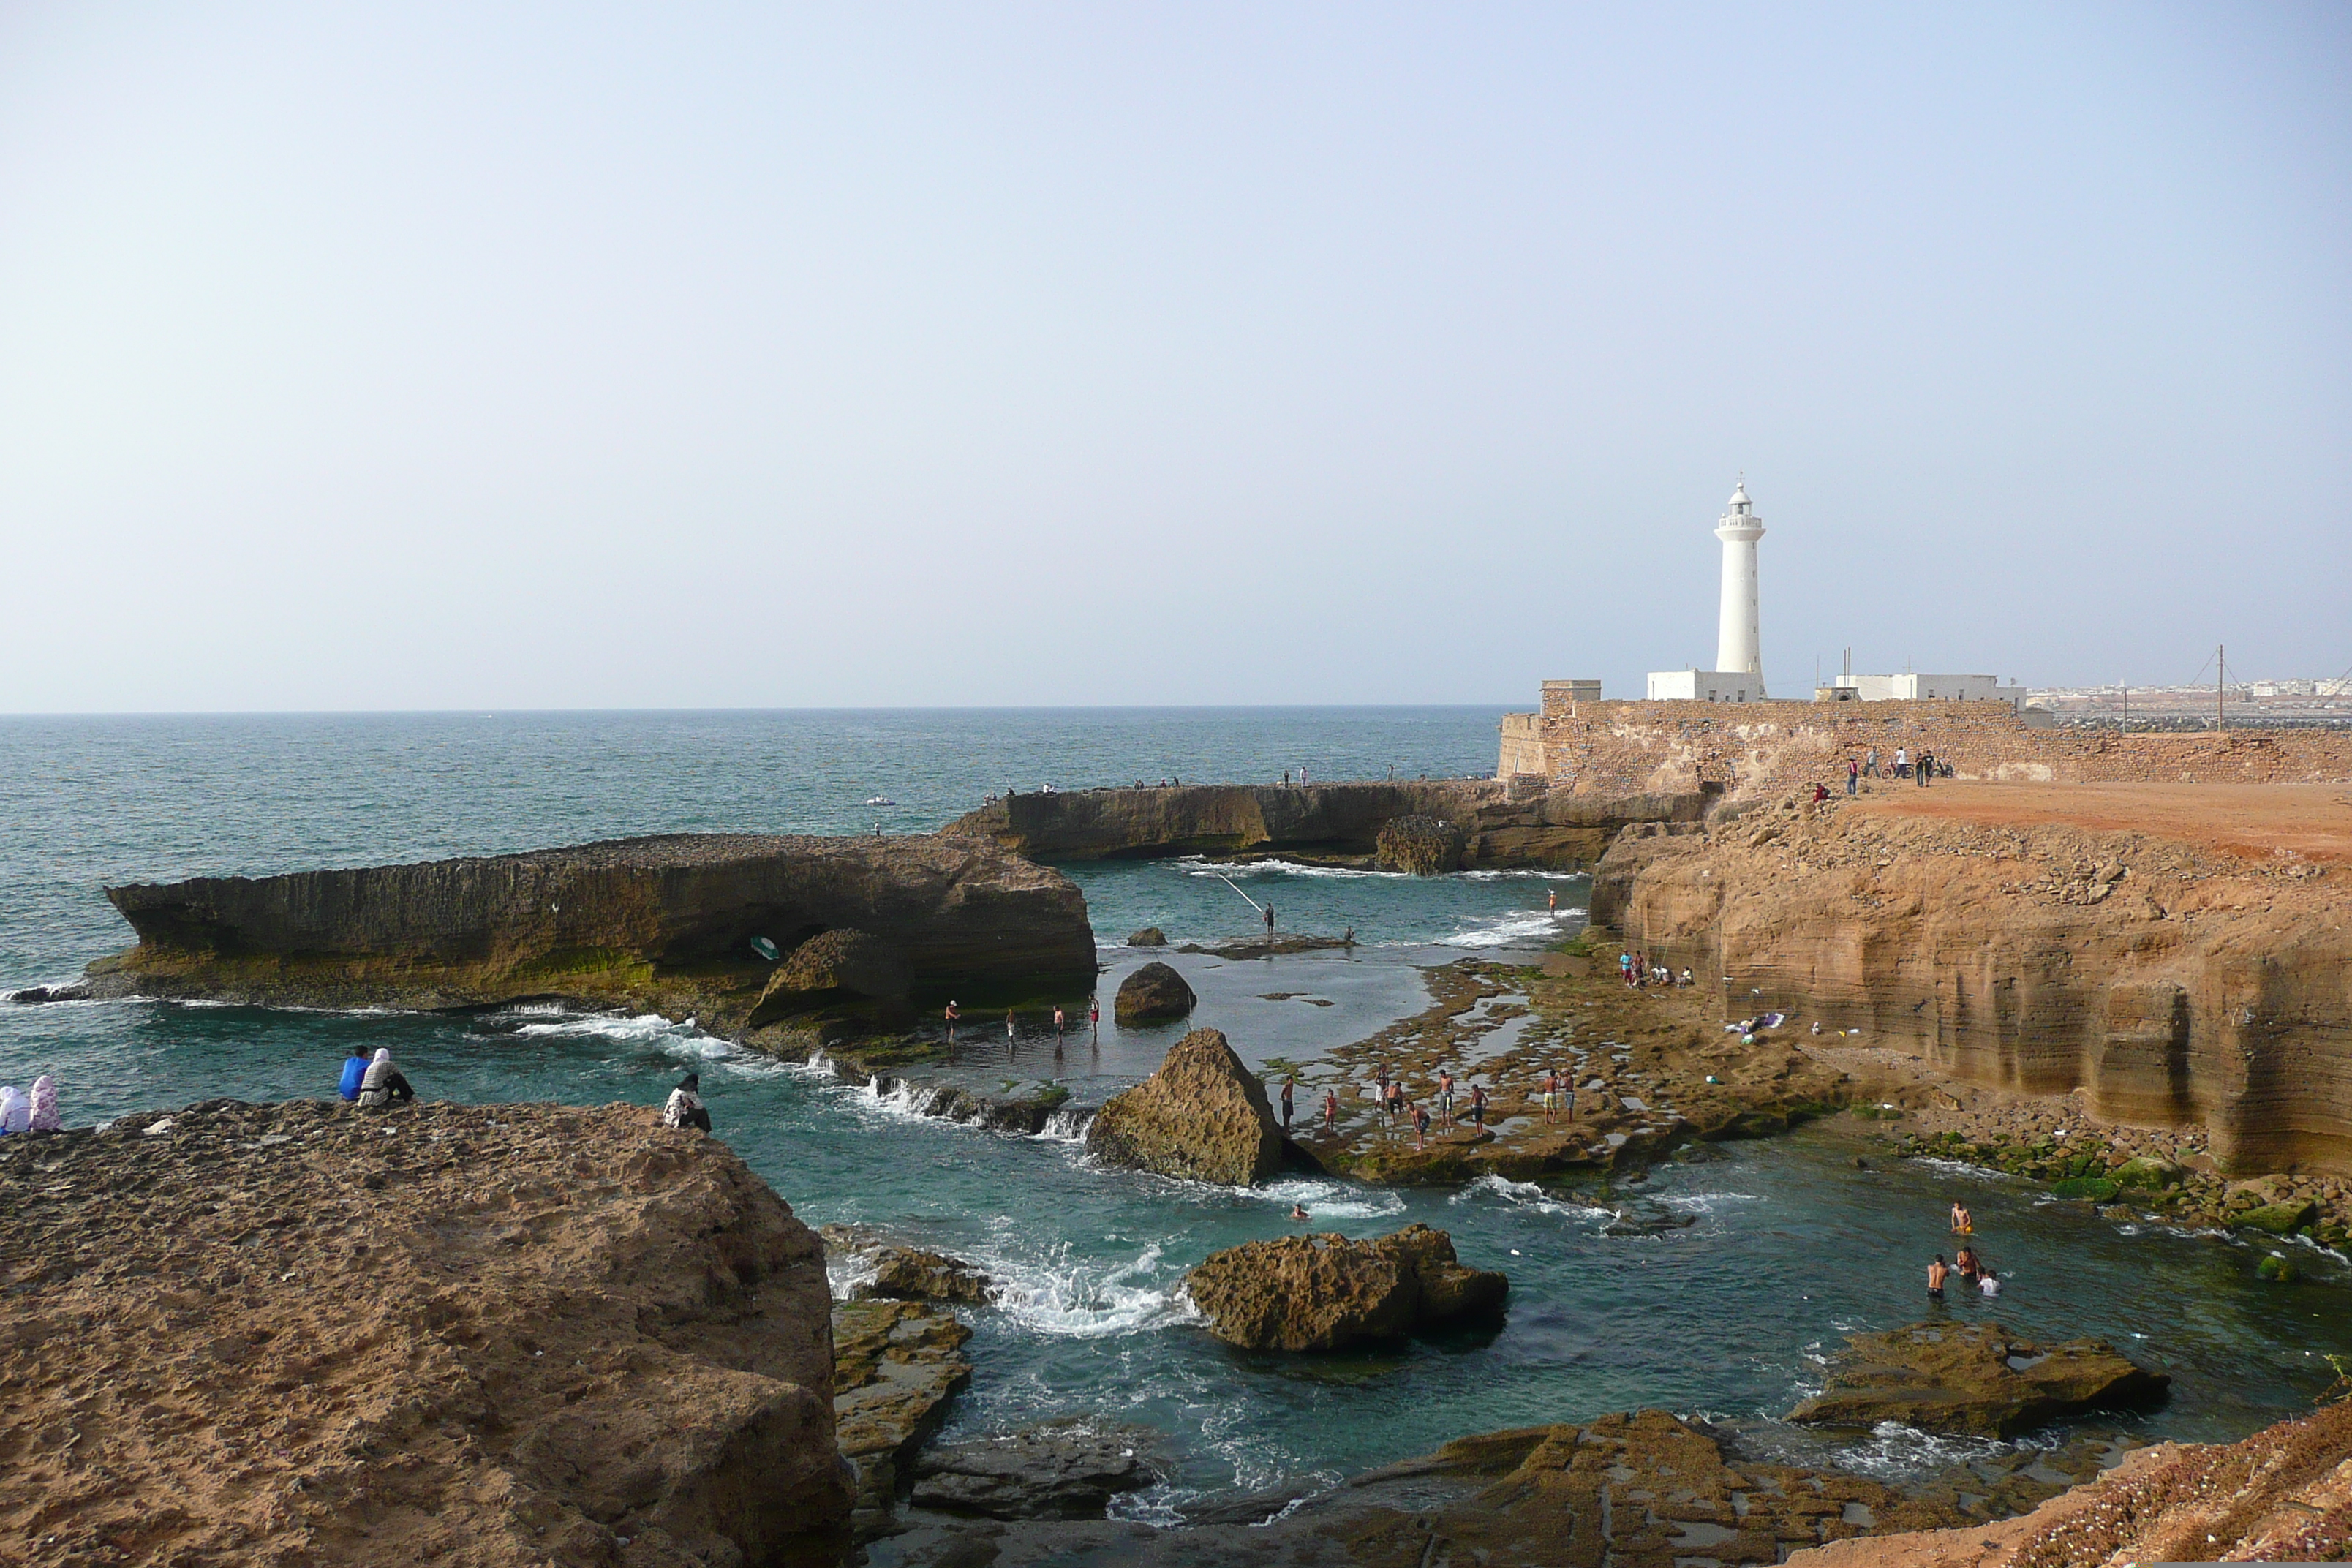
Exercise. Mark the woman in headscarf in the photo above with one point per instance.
(45, 1104)
(383, 1085)
(684, 1108)
(14, 1114)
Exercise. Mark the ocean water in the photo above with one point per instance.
(1790, 1248)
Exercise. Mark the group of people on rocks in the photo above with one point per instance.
(371, 1082)
(1923, 770)
(1975, 1273)
(33, 1112)
(1636, 971)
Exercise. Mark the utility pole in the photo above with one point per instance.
(2126, 690)
(2221, 667)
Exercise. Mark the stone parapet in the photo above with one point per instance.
(1752, 749)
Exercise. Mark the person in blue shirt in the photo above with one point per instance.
(354, 1073)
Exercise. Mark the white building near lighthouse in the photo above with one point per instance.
(1738, 672)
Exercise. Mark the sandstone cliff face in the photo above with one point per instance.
(305, 1334)
(1497, 829)
(646, 921)
(2172, 984)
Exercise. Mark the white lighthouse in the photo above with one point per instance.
(1736, 650)
(1738, 672)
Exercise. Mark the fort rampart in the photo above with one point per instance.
(1754, 749)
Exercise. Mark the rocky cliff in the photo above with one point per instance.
(302, 1334)
(1496, 826)
(683, 923)
(2172, 974)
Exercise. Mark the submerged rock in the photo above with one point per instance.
(1154, 991)
(1974, 1380)
(1321, 1292)
(904, 1273)
(1059, 1470)
(2280, 1218)
(1201, 1117)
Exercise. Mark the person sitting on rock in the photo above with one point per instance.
(15, 1112)
(355, 1067)
(684, 1108)
(44, 1102)
(383, 1085)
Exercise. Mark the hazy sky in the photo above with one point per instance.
(425, 357)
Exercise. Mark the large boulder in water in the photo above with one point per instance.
(1424, 846)
(1201, 1117)
(1974, 1380)
(1321, 1292)
(1154, 991)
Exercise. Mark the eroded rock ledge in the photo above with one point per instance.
(301, 1334)
(2174, 982)
(682, 924)
(1488, 825)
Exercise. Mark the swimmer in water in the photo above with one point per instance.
(1961, 1223)
(1299, 1211)
(1938, 1272)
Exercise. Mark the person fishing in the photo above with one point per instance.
(684, 1108)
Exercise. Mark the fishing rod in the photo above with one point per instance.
(1229, 882)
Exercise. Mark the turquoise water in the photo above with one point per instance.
(1792, 1247)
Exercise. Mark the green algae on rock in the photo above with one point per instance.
(1974, 1380)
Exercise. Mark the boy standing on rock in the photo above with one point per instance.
(1445, 1096)
(1288, 1085)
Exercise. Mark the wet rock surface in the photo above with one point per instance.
(1643, 1489)
(1974, 1380)
(1420, 846)
(1323, 1292)
(1202, 1116)
(1149, 936)
(895, 1366)
(304, 1333)
(1154, 991)
(1059, 1470)
(891, 1271)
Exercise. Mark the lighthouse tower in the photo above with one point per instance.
(1736, 649)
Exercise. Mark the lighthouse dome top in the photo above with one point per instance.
(1739, 501)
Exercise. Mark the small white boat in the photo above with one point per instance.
(881, 800)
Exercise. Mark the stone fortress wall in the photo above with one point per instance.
(1756, 749)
